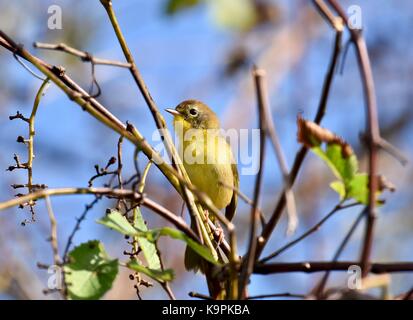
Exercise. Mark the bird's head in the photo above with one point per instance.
(194, 115)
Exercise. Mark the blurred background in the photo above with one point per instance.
(203, 50)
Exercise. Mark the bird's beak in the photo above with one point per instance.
(173, 112)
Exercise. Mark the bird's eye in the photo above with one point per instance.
(193, 112)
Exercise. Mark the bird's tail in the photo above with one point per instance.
(194, 262)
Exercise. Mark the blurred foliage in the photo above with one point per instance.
(239, 15)
(236, 15)
(174, 6)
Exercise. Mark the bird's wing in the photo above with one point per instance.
(230, 209)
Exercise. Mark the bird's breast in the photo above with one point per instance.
(208, 163)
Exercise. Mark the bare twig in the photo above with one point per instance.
(318, 266)
(373, 133)
(119, 171)
(25, 66)
(310, 231)
(282, 162)
(389, 148)
(53, 232)
(277, 295)
(76, 228)
(249, 259)
(83, 55)
(165, 284)
(199, 296)
(30, 146)
(301, 154)
(319, 288)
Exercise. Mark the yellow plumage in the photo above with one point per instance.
(207, 157)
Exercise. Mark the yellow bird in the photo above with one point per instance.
(207, 158)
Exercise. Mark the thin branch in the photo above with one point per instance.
(32, 132)
(199, 296)
(57, 261)
(373, 131)
(318, 266)
(165, 284)
(25, 66)
(301, 154)
(249, 258)
(53, 232)
(389, 148)
(282, 162)
(83, 55)
(119, 171)
(319, 288)
(277, 295)
(76, 228)
(310, 231)
(30, 146)
(117, 193)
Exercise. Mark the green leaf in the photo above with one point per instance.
(158, 275)
(358, 188)
(203, 251)
(342, 161)
(238, 15)
(350, 183)
(90, 272)
(148, 248)
(339, 187)
(344, 168)
(174, 6)
(116, 221)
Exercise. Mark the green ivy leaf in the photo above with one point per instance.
(174, 6)
(158, 275)
(90, 272)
